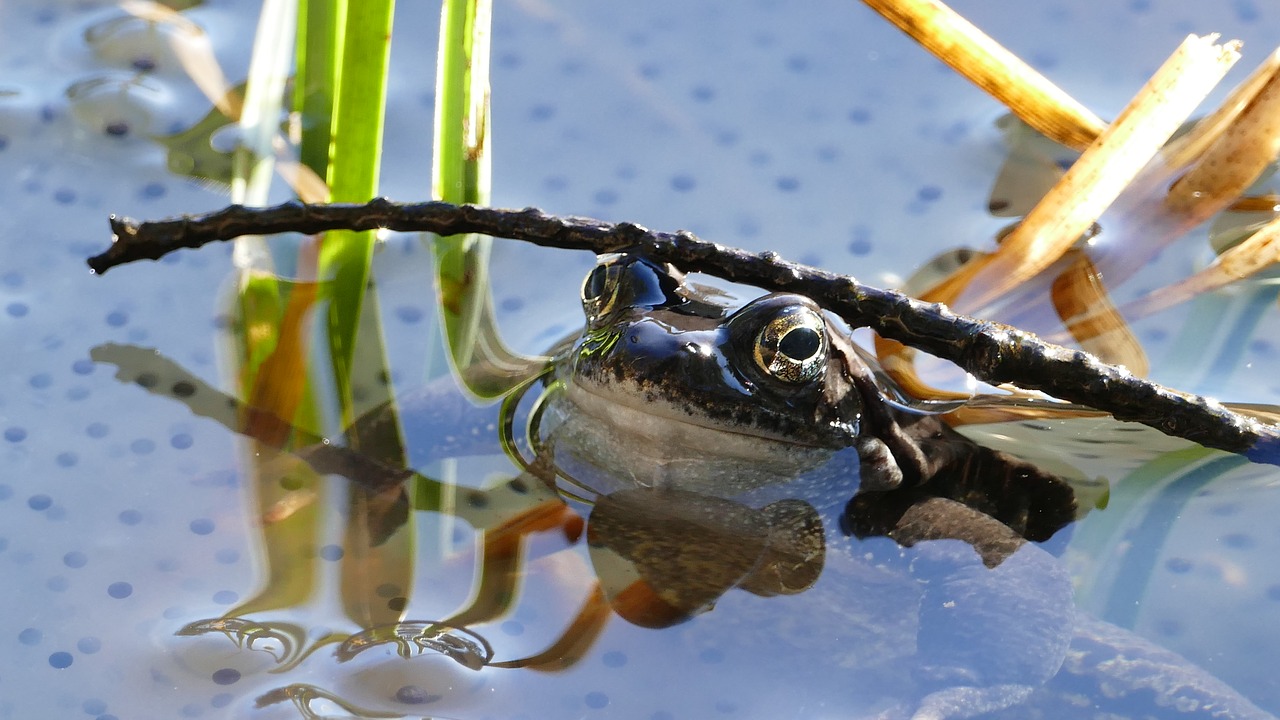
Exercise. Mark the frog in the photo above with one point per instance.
(692, 420)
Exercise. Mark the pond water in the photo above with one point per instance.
(140, 577)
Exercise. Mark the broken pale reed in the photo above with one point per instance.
(1104, 170)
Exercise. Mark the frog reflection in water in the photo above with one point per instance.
(696, 427)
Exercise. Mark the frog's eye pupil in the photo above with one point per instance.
(800, 343)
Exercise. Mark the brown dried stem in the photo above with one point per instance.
(1255, 253)
(1104, 170)
(1227, 152)
(1233, 151)
(993, 352)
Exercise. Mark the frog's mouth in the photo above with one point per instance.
(655, 443)
(670, 424)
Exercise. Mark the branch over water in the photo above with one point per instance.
(993, 352)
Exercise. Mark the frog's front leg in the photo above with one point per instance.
(895, 449)
(900, 450)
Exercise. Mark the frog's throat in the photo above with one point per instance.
(673, 425)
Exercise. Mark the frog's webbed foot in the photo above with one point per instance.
(897, 448)
(909, 517)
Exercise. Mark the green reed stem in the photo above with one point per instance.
(364, 37)
(319, 46)
(461, 174)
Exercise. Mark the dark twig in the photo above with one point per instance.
(994, 352)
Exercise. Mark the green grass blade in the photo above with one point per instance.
(353, 175)
(319, 48)
(461, 174)
(260, 309)
(374, 558)
(1141, 513)
(460, 157)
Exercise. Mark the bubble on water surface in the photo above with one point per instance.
(142, 44)
(114, 106)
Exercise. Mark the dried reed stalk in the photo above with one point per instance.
(1256, 203)
(1255, 253)
(1227, 152)
(1235, 152)
(1102, 172)
(987, 64)
(1057, 222)
(1186, 149)
(193, 48)
(1082, 301)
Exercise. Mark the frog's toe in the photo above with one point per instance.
(879, 468)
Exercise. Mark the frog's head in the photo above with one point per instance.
(672, 366)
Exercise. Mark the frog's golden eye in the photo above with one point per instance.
(594, 285)
(792, 346)
(600, 288)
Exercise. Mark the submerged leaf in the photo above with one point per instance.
(191, 152)
(1085, 306)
